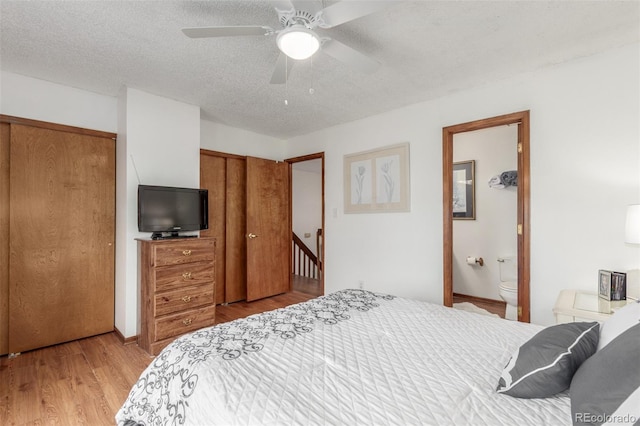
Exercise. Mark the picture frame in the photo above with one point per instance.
(604, 284)
(377, 181)
(618, 286)
(464, 190)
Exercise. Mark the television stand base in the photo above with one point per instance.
(173, 235)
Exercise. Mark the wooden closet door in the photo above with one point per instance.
(5, 137)
(62, 217)
(213, 179)
(268, 228)
(236, 256)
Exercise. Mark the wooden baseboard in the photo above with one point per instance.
(480, 299)
(125, 340)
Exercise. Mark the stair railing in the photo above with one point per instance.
(303, 261)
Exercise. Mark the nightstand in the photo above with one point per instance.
(576, 305)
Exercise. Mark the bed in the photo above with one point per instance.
(348, 358)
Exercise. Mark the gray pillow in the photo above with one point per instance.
(607, 386)
(545, 364)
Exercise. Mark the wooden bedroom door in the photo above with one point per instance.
(62, 219)
(268, 228)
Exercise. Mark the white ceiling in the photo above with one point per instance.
(426, 49)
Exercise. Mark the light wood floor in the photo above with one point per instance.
(85, 382)
(306, 285)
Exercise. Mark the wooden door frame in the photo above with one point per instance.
(524, 235)
(291, 161)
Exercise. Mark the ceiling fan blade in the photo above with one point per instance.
(346, 11)
(283, 69)
(247, 30)
(282, 5)
(350, 56)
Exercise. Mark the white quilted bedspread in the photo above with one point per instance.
(349, 358)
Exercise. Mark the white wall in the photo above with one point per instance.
(492, 234)
(231, 140)
(27, 97)
(162, 136)
(398, 253)
(585, 158)
(160, 140)
(307, 206)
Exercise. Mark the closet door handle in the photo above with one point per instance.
(186, 252)
(186, 275)
(187, 321)
(186, 299)
(251, 236)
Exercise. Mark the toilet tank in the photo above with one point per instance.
(508, 268)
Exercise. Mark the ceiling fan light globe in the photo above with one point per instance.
(298, 42)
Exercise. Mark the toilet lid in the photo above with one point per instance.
(509, 285)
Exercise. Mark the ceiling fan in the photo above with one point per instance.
(297, 38)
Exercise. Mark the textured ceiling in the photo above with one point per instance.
(426, 49)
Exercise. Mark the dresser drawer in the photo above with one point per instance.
(183, 299)
(173, 277)
(177, 289)
(175, 325)
(181, 252)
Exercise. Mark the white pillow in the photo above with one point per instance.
(620, 321)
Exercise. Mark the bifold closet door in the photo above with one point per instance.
(5, 137)
(236, 256)
(62, 219)
(212, 178)
(224, 177)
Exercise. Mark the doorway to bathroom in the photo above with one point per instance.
(486, 209)
(485, 242)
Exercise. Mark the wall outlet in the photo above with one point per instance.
(307, 234)
(361, 284)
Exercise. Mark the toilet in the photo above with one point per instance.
(508, 286)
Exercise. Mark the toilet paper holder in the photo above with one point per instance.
(475, 261)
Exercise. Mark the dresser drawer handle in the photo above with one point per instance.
(186, 299)
(187, 321)
(186, 252)
(186, 275)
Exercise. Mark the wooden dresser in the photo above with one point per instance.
(177, 289)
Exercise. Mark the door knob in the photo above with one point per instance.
(251, 236)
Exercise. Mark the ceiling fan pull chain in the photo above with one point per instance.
(311, 89)
(286, 80)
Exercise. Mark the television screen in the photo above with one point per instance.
(172, 210)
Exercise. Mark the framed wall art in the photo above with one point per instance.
(378, 180)
(604, 284)
(618, 286)
(464, 190)
(612, 285)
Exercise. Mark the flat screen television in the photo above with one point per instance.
(166, 211)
